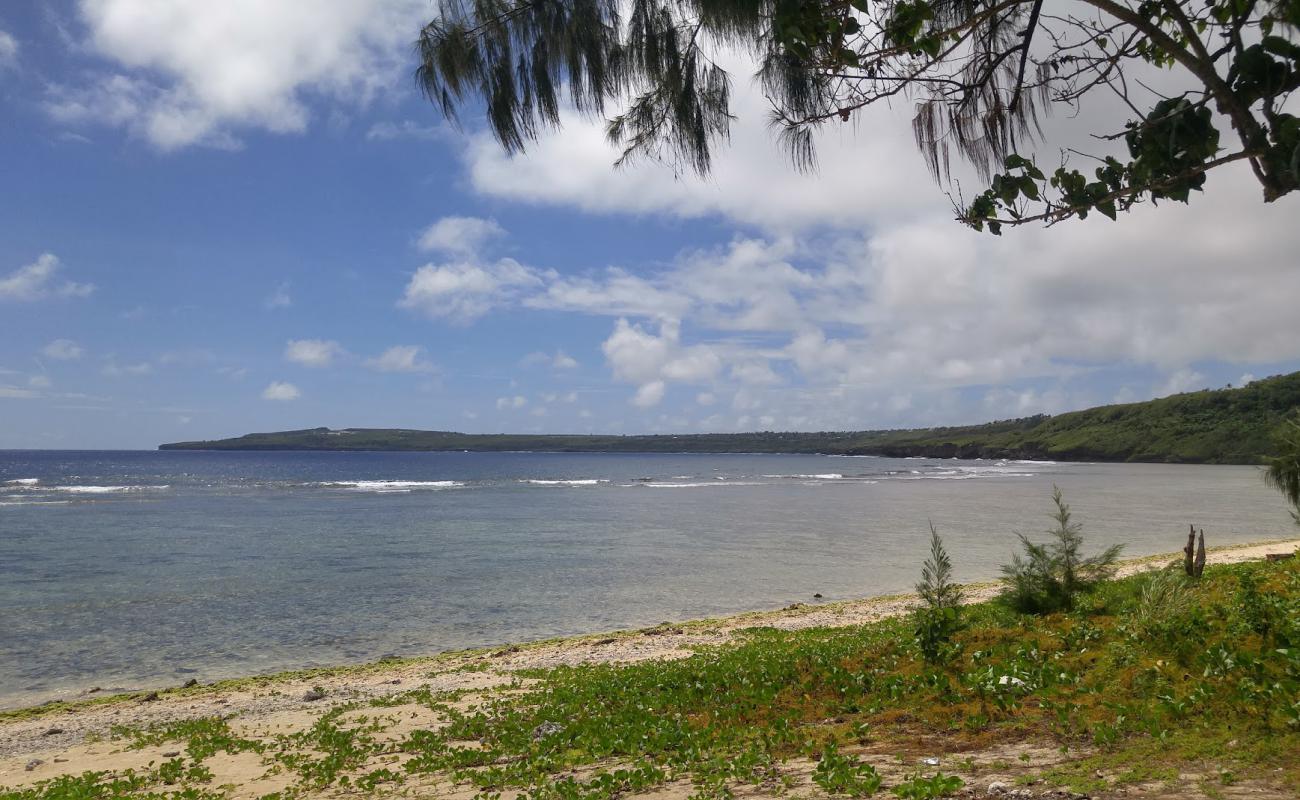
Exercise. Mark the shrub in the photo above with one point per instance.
(841, 774)
(940, 617)
(1051, 576)
(1283, 471)
(919, 787)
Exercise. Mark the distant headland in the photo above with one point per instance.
(1220, 426)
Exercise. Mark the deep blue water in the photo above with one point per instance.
(138, 569)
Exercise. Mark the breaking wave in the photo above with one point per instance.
(390, 486)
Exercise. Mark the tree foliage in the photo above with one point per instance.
(939, 616)
(1051, 576)
(980, 75)
(1283, 471)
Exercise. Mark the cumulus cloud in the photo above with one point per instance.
(648, 360)
(36, 281)
(516, 402)
(401, 358)
(198, 73)
(63, 350)
(461, 291)
(313, 352)
(752, 180)
(279, 390)
(461, 236)
(833, 328)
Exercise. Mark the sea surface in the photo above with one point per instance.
(145, 569)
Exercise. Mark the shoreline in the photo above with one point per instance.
(66, 729)
(796, 616)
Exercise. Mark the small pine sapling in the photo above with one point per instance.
(939, 618)
(1051, 576)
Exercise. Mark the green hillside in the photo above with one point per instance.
(1223, 426)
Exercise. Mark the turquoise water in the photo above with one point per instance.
(143, 569)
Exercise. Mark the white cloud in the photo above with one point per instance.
(459, 236)
(837, 328)
(35, 281)
(8, 50)
(563, 360)
(617, 293)
(518, 401)
(18, 393)
(63, 350)
(279, 298)
(462, 291)
(558, 360)
(39, 382)
(405, 129)
(114, 370)
(401, 358)
(646, 360)
(279, 390)
(1183, 380)
(198, 72)
(755, 373)
(706, 398)
(872, 171)
(313, 352)
(649, 394)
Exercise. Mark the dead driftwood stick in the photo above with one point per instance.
(1199, 566)
(1194, 553)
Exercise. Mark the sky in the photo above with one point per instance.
(219, 218)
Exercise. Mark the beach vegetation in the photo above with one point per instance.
(1283, 471)
(1051, 576)
(921, 787)
(939, 616)
(838, 773)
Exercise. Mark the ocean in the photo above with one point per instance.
(142, 569)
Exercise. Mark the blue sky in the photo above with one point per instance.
(224, 219)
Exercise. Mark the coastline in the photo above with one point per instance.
(69, 737)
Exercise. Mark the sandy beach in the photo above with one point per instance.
(68, 738)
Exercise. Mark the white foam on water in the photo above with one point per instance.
(104, 489)
(826, 476)
(575, 482)
(35, 503)
(697, 485)
(23, 482)
(390, 486)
